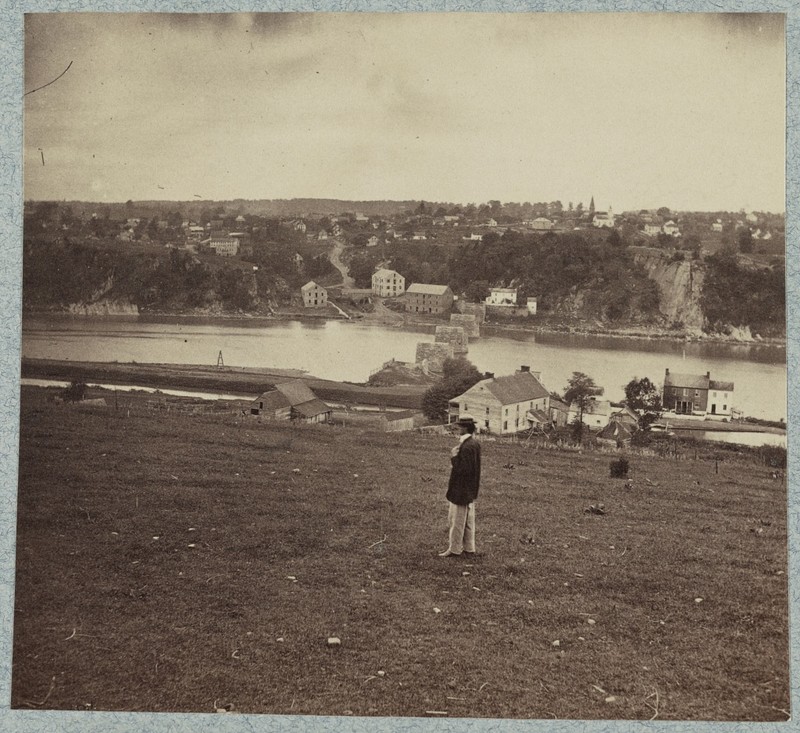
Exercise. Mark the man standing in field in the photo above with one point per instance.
(462, 490)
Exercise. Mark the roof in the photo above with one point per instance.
(404, 415)
(383, 272)
(616, 431)
(721, 386)
(519, 387)
(690, 381)
(311, 284)
(537, 416)
(426, 289)
(504, 290)
(272, 400)
(296, 391)
(311, 408)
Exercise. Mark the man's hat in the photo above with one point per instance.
(465, 420)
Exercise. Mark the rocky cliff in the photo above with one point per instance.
(680, 284)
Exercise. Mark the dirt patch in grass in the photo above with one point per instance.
(186, 562)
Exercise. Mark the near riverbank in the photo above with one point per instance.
(247, 381)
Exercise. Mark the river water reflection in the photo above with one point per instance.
(350, 351)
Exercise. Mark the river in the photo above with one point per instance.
(350, 351)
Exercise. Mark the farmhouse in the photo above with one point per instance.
(314, 295)
(424, 298)
(388, 283)
(541, 224)
(292, 400)
(504, 404)
(690, 394)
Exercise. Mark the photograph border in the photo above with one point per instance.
(11, 207)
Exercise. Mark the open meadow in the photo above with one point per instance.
(193, 563)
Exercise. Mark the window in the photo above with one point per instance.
(466, 409)
(714, 394)
(505, 424)
(697, 393)
(506, 411)
(724, 408)
(487, 410)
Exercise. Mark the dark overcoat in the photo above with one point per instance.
(465, 474)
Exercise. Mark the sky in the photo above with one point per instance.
(638, 110)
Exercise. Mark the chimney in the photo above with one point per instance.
(708, 375)
(524, 368)
(488, 375)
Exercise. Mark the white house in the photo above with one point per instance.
(504, 404)
(502, 296)
(542, 223)
(388, 283)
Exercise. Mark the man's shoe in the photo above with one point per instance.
(447, 553)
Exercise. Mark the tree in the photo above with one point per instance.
(643, 396)
(745, 240)
(579, 391)
(477, 291)
(458, 375)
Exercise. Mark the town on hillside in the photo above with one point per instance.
(541, 265)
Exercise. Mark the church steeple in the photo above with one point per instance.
(591, 206)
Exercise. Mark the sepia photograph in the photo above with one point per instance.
(403, 365)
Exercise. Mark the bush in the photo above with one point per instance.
(619, 468)
(773, 456)
(75, 392)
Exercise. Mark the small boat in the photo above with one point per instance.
(661, 428)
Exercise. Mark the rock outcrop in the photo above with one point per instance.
(680, 284)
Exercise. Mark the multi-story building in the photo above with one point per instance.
(388, 283)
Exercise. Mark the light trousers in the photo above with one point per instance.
(462, 528)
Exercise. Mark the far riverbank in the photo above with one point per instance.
(384, 317)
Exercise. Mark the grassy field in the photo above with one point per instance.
(197, 562)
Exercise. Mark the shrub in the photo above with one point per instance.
(75, 392)
(773, 456)
(619, 468)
